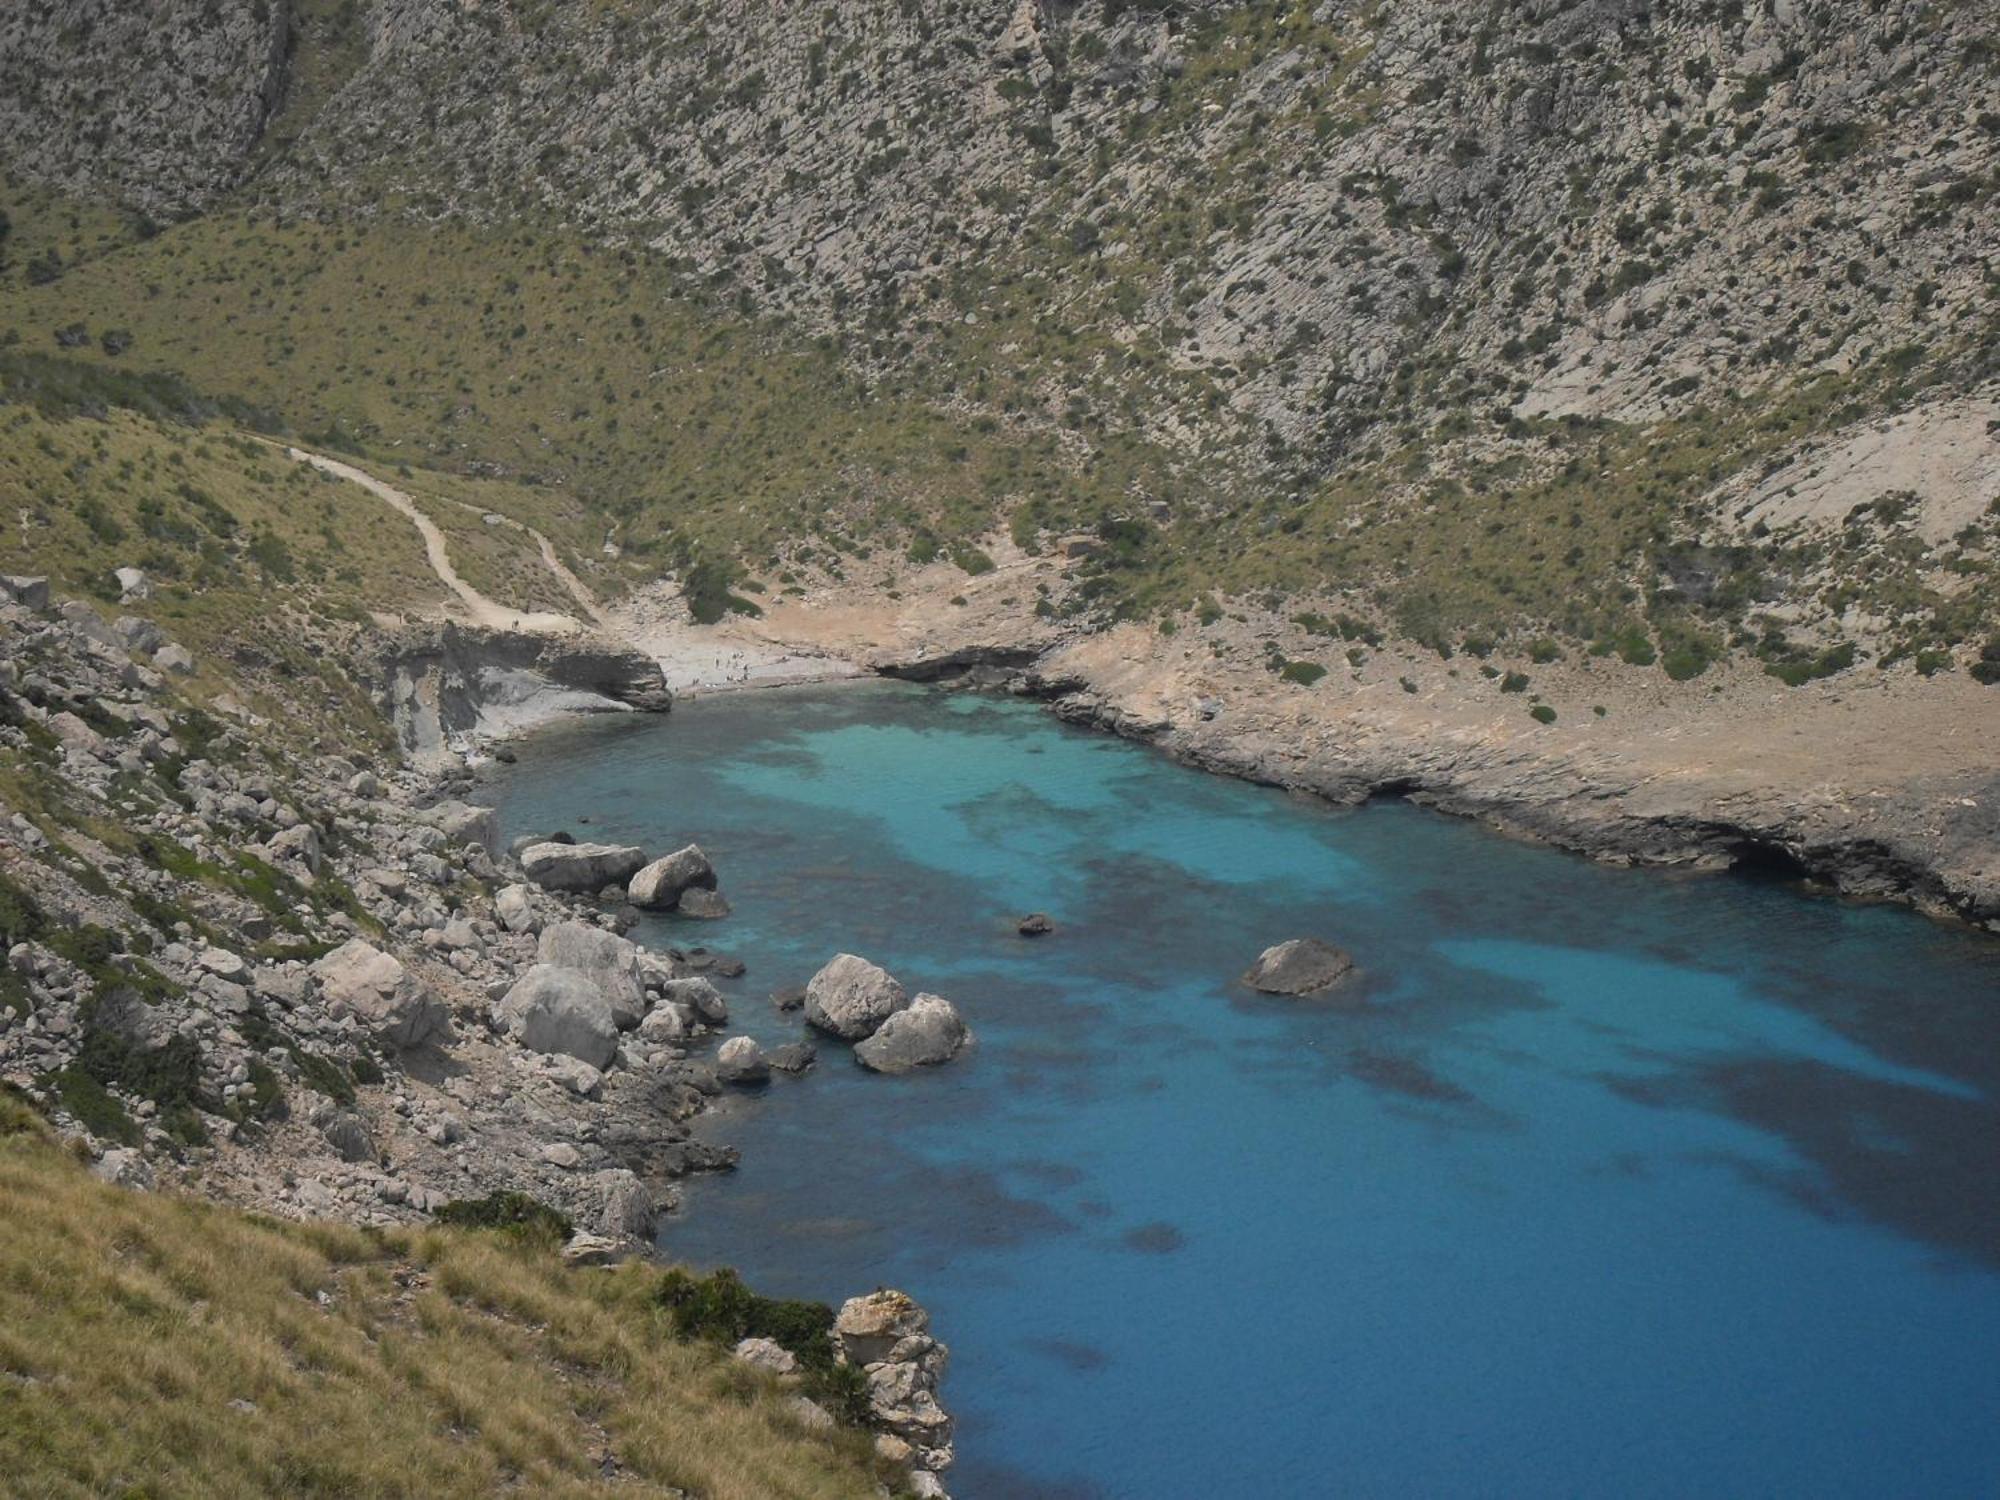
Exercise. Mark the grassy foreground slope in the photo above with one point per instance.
(154, 1346)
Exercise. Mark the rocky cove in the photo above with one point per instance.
(316, 988)
(1433, 1197)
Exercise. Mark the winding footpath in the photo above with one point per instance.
(479, 609)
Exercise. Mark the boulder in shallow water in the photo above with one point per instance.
(1035, 924)
(581, 867)
(927, 1032)
(700, 903)
(661, 884)
(556, 1010)
(741, 1060)
(794, 1057)
(1303, 966)
(850, 997)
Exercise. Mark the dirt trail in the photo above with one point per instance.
(560, 570)
(479, 609)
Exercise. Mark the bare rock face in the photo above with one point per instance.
(462, 823)
(515, 909)
(608, 961)
(927, 1032)
(850, 997)
(659, 886)
(581, 867)
(699, 996)
(887, 1335)
(768, 1355)
(1303, 966)
(362, 981)
(558, 1010)
(29, 593)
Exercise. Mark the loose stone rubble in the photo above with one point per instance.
(320, 990)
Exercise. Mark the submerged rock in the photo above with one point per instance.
(1303, 966)
(1035, 924)
(553, 1009)
(850, 997)
(581, 867)
(701, 903)
(794, 1057)
(927, 1032)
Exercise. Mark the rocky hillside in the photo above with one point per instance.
(1482, 320)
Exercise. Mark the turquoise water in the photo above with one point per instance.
(1601, 1182)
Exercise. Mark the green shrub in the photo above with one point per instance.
(1796, 668)
(720, 1309)
(1987, 668)
(972, 560)
(1514, 682)
(514, 1215)
(1541, 713)
(1304, 673)
(1686, 661)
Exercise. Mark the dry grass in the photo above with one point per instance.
(154, 1346)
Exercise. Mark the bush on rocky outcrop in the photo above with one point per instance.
(720, 1309)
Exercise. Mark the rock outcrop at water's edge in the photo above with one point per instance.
(886, 1335)
(448, 686)
(241, 966)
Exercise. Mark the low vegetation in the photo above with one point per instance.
(152, 1345)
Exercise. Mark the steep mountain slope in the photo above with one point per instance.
(1477, 314)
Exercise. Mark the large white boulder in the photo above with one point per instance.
(559, 1011)
(741, 1060)
(581, 867)
(515, 909)
(658, 887)
(606, 959)
(850, 997)
(927, 1031)
(385, 999)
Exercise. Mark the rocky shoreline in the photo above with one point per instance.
(1932, 843)
(288, 980)
(1894, 850)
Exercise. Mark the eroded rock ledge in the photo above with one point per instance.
(446, 686)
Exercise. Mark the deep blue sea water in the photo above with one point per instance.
(1600, 1183)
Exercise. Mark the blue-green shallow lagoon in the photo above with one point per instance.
(1602, 1182)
